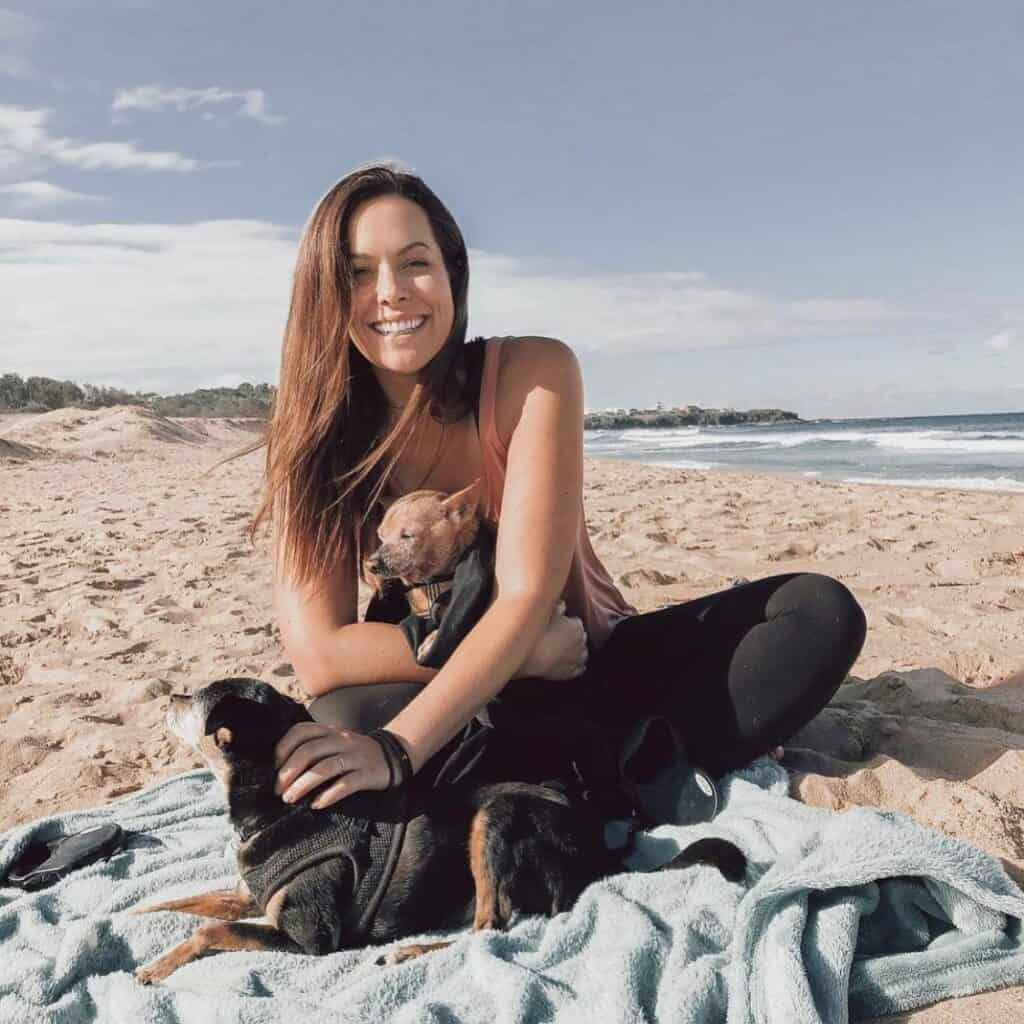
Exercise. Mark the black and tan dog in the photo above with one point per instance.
(377, 866)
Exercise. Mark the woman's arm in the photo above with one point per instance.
(324, 643)
(328, 649)
(537, 533)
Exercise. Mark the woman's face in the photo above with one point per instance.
(399, 280)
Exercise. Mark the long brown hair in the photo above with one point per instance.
(329, 449)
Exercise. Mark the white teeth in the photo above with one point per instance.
(398, 326)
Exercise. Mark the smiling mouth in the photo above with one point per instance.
(409, 326)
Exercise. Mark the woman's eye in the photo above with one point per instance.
(360, 271)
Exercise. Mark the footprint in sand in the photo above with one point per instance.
(22, 755)
(10, 671)
(18, 638)
(117, 584)
(660, 536)
(114, 719)
(85, 697)
(126, 654)
(267, 629)
(796, 549)
(638, 577)
(92, 621)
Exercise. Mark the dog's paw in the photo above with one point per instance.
(395, 956)
(404, 953)
(151, 973)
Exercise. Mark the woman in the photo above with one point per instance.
(375, 398)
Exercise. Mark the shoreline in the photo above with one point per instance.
(805, 477)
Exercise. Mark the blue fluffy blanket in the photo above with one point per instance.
(841, 916)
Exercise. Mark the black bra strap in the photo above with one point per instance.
(475, 366)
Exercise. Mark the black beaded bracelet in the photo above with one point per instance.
(397, 757)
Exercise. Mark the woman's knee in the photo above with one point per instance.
(829, 605)
(363, 708)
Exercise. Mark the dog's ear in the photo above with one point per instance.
(223, 737)
(228, 711)
(245, 728)
(463, 504)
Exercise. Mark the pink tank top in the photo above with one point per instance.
(589, 591)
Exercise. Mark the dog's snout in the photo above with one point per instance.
(379, 564)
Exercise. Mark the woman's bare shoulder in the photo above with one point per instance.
(521, 360)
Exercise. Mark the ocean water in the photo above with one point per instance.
(982, 452)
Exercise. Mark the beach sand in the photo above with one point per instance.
(125, 575)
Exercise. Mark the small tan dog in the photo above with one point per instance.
(423, 535)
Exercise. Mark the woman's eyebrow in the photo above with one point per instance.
(405, 248)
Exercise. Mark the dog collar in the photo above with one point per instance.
(424, 596)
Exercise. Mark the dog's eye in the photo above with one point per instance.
(405, 535)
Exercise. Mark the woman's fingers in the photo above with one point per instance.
(296, 736)
(331, 754)
(324, 753)
(345, 786)
(371, 772)
(320, 770)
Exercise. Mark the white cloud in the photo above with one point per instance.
(161, 306)
(1001, 341)
(36, 195)
(16, 33)
(172, 307)
(25, 145)
(653, 312)
(253, 102)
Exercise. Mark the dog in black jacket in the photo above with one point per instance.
(377, 866)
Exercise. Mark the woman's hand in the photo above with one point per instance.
(561, 652)
(310, 753)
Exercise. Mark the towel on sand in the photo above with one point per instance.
(841, 916)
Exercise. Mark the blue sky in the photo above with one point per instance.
(814, 206)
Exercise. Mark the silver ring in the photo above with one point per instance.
(341, 763)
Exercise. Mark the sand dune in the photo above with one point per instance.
(120, 430)
(125, 574)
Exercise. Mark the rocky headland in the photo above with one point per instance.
(686, 416)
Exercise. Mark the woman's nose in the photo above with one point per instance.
(388, 284)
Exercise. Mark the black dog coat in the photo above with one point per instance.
(367, 829)
(457, 610)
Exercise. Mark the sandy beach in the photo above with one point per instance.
(125, 574)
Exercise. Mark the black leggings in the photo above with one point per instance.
(738, 672)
